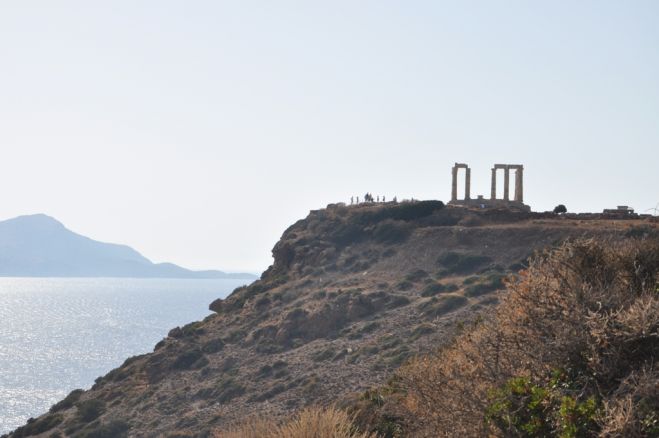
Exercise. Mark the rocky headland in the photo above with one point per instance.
(353, 293)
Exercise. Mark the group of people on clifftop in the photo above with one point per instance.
(368, 198)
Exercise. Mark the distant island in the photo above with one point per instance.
(40, 246)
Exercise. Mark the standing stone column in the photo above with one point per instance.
(493, 192)
(467, 183)
(454, 184)
(519, 184)
(506, 183)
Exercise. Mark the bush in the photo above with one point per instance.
(416, 275)
(89, 410)
(113, 429)
(457, 263)
(642, 231)
(441, 306)
(490, 284)
(421, 330)
(36, 427)
(391, 231)
(560, 208)
(187, 360)
(541, 411)
(570, 351)
(312, 422)
(408, 211)
(213, 346)
(436, 288)
(68, 401)
(228, 389)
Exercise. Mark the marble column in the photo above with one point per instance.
(467, 183)
(454, 184)
(506, 183)
(493, 192)
(519, 184)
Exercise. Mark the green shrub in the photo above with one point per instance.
(370, 327)
(346, 233)
(416, 276)
(68, 401)
(407, 211)
(35, 427)
(89, 410)
(525, 409)
(397, 301)
(391, 231)
(113, 429)
(296, 314)
(457, 263)
(187, 360)
(642, 231)
(235, 336)
(228, 389)
(421, 330)
(489, 284)
(213, 346)
(436, 288)
(471, 280)
(441, 306)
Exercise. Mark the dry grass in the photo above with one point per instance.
(309, 423)
(571, 351)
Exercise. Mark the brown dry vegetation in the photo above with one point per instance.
(570, 352)
(310, 423)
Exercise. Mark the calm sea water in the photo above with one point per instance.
(59, 334)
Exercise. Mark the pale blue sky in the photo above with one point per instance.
(197, 131)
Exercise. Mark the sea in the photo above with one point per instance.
(60, 334)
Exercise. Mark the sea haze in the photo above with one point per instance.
(59, 334)
(40, 246)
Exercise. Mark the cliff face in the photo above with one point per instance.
(353, 292)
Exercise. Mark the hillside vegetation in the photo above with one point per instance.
(356, 293)
(570, 351)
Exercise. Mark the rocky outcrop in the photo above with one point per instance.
(352, 293)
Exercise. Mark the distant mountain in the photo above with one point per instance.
(40, 246)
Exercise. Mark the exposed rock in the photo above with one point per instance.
(352, 293)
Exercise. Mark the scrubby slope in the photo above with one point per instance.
(352, 294)
(571, 351)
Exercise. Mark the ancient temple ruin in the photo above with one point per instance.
(481, 202)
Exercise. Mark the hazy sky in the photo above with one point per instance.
(197, 131)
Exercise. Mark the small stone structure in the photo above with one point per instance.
(621, 210)
(493, 202)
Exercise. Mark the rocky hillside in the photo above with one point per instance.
(353, 293)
